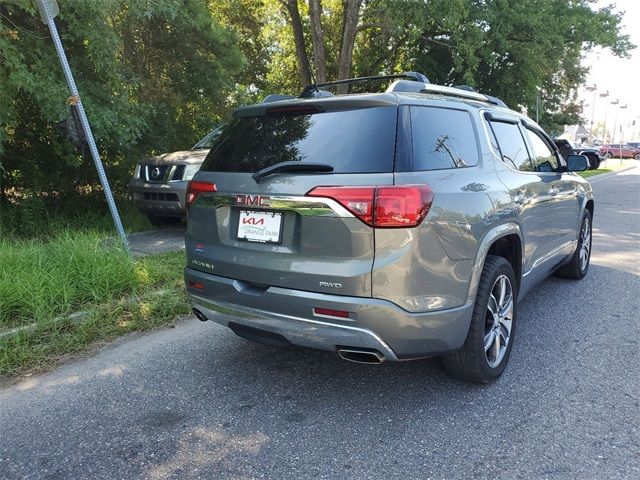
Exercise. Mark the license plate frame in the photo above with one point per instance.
(252, 231)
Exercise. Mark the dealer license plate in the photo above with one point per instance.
(262, 227)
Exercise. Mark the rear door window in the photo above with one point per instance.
(442, 138)
(511, 144)
(351, 141)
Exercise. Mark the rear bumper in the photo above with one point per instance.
(166, 199)
(372, 323)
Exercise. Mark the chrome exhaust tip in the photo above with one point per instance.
(200, 316)
(361, 355)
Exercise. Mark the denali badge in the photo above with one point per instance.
(330, 284)
(253, 200)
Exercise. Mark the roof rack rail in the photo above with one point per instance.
(463, 91)
(309, 90)
(276, 97)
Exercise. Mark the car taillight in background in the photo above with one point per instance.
(195, 188)
(384, 206)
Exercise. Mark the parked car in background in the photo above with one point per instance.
(384, 226)
(621, 150)
(159, 183)
(567, 148)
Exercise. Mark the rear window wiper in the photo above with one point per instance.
(292, 167)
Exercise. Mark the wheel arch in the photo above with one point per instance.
(504, 240)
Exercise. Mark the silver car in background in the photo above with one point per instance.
(159, 183)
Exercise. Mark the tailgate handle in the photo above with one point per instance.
(249, 288)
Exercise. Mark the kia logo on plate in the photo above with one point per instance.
(253, 200)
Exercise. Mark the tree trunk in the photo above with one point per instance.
(317, 36)
(351, 11)
(298, 37)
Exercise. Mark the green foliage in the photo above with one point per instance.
(109, 294)
(153, 76)
(41, 281)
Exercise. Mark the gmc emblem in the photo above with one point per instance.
(253, 200)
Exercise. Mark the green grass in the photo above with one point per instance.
(35, 218)
(591, 173)
(41, 283)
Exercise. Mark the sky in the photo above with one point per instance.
(619, 76)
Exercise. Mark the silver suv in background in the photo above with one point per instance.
(159, 183)
(384, 226)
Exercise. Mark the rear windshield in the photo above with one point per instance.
(351, 141)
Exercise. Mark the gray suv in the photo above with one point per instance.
(384, 226)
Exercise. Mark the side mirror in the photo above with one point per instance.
(577, 163)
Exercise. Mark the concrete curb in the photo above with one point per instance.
(597, 178)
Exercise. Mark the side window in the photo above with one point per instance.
(442, 138)
(543, 158)
(512, 146)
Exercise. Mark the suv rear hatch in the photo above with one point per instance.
(276, 230)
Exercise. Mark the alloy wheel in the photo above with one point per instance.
(498, 321)
(585, 243)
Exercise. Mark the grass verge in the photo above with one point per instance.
(610, 165)
(41, 284)
(591, 173)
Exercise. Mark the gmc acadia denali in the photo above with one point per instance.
(384, 226)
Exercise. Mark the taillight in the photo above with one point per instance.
(385, 206)
(402, 205)
(195, 188)
(358, 200)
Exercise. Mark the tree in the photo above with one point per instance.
(154, 76)
(317, 36)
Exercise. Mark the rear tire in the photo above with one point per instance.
(486, 351)
(637, 156)
(578, 266)
(160, 221)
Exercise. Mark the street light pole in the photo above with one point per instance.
(594, 89)
(48, 10)
(621, 107)
(604, 125)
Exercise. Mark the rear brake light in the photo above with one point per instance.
(402, 206)
(385, 206)
(329, 312)
(195, 188)
(358, 200)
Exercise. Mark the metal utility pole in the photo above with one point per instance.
(48, 10)
(621, 107)
(593, 89)
(604, 125)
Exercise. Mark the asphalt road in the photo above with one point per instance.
(197, 402)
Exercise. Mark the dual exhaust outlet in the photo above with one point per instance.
(352, 354)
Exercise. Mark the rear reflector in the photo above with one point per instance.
(196, 285)
(328, 312)
(195, 188)
(385, 206)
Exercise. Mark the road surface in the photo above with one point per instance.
(197, 402)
